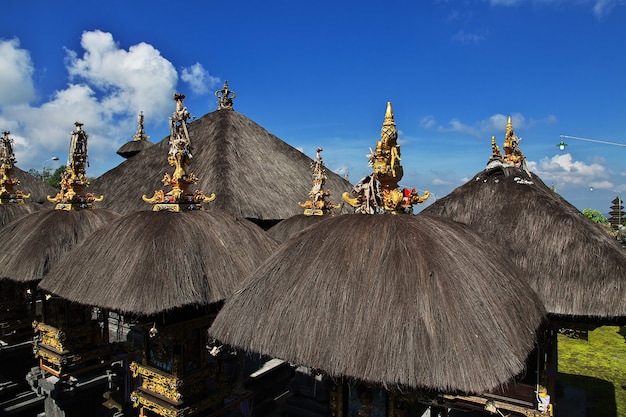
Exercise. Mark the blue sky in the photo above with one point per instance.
(319, 74)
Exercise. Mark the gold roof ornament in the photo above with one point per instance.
(512, 156)
(318, 205)
(379, 192)
(179, 156)
(72, 195)
(8, 193)
(140, 134)
(225, 98)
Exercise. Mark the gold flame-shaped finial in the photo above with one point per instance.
(379, 192)
(8, 193)
(179, 156)
(72, 195)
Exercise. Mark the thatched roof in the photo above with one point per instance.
(35, 242)
(290, 227)
(417, 301)
(148, 262)
(572, 263)
(10, 212)
(132, 148)
(254, 174)
(37, 188)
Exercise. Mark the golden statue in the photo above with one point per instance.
(318, 205)
(179, 156)
(379, 192)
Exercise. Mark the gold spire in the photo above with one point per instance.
(8, 193)
(179, 156)
(74, 180)
(141, 134)
(512, 154)
(379, 192)
(318, 205)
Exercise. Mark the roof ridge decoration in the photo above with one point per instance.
(141, 133)
(179, 156)
(379, 192)
(318, 205)
(8, 193)
(72, 195)
(225, 98)
(513, 156)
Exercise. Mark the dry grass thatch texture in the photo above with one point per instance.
(253, 173)
(148, 262)
(416, 301)
(290, 227)
(573, 264)
(11, 212)
(35, 242)
(132, 148)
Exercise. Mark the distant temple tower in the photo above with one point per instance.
(617, 212)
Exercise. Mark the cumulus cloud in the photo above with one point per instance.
(127, 81)
(563, 169)
(16, 71)
(108, 86)
(199, 79)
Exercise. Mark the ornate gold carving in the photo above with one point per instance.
(8, 192)
(318, 205)
(71, 195)
(179, 156)
(225, 98)
(140, 134)
(379, 192)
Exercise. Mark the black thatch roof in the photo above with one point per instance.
(417, 301)
(572, 263)
(253, 173)
(132, 148)
(35, 242)
(290, 227)
(37, 188)
(148, 262)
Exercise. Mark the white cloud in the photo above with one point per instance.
(199, 79)
(16, 71)
(108, 87)
(563, 169)
(139, 79)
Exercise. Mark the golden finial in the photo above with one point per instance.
(141, 134)
(8, 193)
(225, 97)
(513, 156)
(379, 192)
(318, 205)
(179, 156)
(71, 195)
